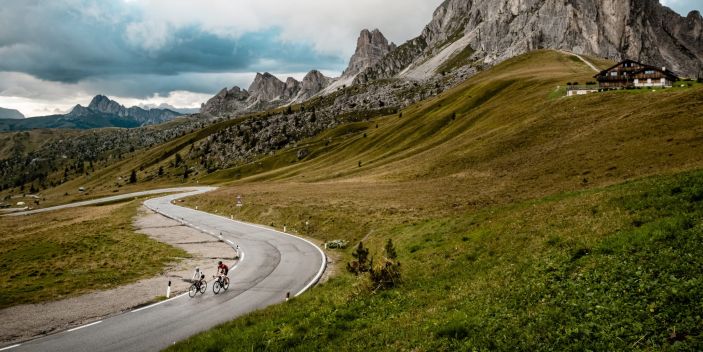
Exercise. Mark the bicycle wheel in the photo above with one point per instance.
(203, 287)
(225, 283)
(192, 291)
(216, 287)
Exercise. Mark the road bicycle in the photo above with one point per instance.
(221, 283)
(197, 286)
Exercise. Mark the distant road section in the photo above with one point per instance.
(272, 265)
(115, 198)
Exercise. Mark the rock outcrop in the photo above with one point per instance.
(266, 87)
(497, 30)
(234, 99)
(371, 47)
(266, 91)
(313, 83)
(10, 114)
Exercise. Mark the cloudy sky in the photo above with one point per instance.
(58, 53)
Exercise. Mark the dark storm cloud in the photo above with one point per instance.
(60, 41)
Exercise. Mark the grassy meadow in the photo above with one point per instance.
(64, 253)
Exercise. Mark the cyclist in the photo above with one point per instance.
(198, 277)
(222, 268)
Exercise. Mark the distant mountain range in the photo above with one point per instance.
(101, 112)
(10, 114)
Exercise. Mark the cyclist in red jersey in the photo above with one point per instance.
(222, 268)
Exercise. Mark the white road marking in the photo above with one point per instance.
(230, 242)
(85, 326)
(9, 347)
(157, 303)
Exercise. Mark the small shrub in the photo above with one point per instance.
(133, 177)
(386, 274)
(361, 264)
(390, 250)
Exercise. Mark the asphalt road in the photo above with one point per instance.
(114, 199)
(272, 264)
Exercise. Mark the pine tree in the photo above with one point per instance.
(133, 177)
(361, 264)
(390, 250)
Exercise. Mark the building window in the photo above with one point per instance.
(613, 74)
(649, 72)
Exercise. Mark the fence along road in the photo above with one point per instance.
(273, 264)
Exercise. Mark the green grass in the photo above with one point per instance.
(64, 253)
(617, 268)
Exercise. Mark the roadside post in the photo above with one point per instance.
(168, 290)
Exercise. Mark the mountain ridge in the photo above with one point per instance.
(101, 112)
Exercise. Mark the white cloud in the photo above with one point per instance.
(330, 26)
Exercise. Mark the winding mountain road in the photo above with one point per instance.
(272, 264)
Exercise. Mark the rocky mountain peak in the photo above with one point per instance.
(291, 82)
(313, 83)
(103, 104)
(80, 110)
(371, 47)
(266, 87)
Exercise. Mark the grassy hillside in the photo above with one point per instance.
(523, 220)
(609, 269)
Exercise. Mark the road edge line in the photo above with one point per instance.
(84, 326)
(157, 303)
